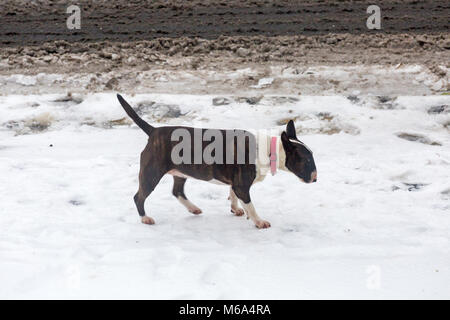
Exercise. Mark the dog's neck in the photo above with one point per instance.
(281, 156)
(265, 141)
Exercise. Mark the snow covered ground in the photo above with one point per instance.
(375, 225)
(307, 79)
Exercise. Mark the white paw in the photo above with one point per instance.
(147, 220)
(261, 224)
(237, 211)
(195, 210)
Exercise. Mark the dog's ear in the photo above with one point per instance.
(290, 130)
(287, 145)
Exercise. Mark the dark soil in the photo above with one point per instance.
(37, 21)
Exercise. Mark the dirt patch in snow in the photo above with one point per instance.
(35, 124)
(320, 123)
(418, 138)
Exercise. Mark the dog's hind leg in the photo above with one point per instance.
(148, 179)
(178, 192)
(234, 204)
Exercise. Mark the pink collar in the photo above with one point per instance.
(273, 155)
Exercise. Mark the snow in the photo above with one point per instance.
(308, 80)
(263, 82)
(375, 225)
(22, 79)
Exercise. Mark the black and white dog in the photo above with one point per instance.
(157, 160)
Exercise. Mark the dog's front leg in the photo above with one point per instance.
(178, 192)
(234, 204)
(243, 194)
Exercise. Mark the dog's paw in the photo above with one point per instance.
(237, 211)
(261, 224)
(195, 210)
(147, 220)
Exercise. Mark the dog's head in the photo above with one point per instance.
(299, 158)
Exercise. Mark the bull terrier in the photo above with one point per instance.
(235, 162)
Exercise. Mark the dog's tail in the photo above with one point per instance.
(133, 115)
